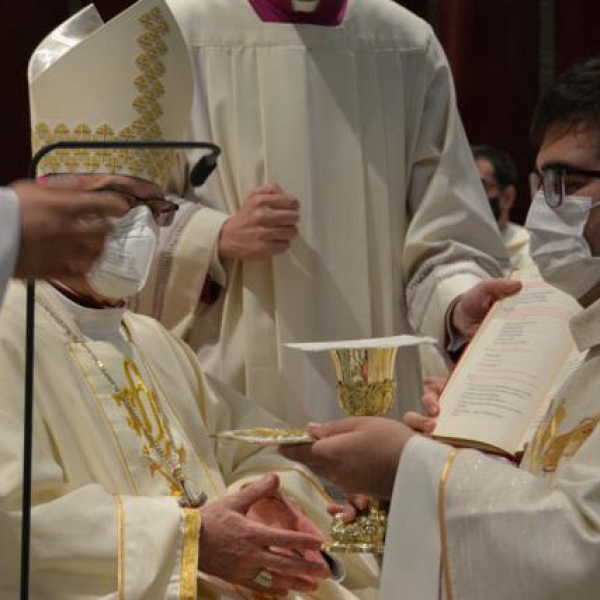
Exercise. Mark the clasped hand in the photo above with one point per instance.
(258, 529)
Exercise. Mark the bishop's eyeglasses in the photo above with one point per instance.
(558, 182)
(162, 210)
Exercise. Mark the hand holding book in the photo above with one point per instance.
(506, 378)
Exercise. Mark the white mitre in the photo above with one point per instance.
(128, 79)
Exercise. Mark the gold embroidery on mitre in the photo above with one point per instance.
(549, 448)
(146, 419)
(152, 164)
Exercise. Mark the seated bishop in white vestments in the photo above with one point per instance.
(122, 451)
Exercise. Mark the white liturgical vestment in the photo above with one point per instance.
(359, 122)
(516, 240)
(498, 532)
(105, 519)
(9, 236)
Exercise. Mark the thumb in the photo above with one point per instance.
(500, 288)
(330, 428)
(246, 497)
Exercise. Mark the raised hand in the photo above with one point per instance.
(62, 229)
(472, 307)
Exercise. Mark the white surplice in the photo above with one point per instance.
(105, 521)
(516, 240)
(359, 122)
(9, 236)
(498, 532)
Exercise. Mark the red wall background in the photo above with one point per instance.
(502, 52)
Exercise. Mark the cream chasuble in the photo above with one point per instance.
(498, 532)
(105, 522)
(359, 122)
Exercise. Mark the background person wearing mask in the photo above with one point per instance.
(499, 177)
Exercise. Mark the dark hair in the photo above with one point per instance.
(573, 100)
(505, 169)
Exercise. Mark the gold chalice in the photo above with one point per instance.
(365, 387)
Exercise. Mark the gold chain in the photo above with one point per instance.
(189, 498)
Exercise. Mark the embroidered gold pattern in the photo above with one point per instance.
(189, 554)
(548, 448)
(447, 578)
(141, 401)
(121, 548)
(152, 164)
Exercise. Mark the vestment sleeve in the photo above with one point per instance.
(497, 527)
(413, 544)
(186, 255)
(85, 540)
(452, 241)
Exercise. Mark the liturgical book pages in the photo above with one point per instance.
(503, 384)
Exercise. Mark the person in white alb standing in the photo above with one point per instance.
(377, 224)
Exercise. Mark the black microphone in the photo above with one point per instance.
(198, 175)
(203, 168)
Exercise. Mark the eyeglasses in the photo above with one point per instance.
(162, 210)
(558, 182)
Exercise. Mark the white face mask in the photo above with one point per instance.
(122, 269)
(558, 245)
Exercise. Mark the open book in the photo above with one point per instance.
(504, 382)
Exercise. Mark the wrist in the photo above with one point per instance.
(453, 315)
(223, 246)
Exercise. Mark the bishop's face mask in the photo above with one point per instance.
(558, 246)
(123, 267)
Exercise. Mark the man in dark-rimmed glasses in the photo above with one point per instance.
(463, 525)
(562, 220)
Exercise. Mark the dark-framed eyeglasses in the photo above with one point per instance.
(162, 209)
(558, 182)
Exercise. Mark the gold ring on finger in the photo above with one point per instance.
(264, 578)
